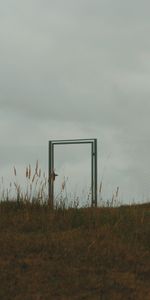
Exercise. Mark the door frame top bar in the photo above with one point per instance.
(72, 141)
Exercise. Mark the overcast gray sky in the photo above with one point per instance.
(77, 69)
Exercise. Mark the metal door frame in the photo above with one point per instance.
(93, 143)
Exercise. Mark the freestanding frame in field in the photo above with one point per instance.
(93, 143)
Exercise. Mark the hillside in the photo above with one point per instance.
(86, 253)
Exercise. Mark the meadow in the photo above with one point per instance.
(73, 253)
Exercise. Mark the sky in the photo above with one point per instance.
(77, 69)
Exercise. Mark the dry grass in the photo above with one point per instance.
(87, 253)
(71, 253)
(34, 189)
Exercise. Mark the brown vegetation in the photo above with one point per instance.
(86, 253)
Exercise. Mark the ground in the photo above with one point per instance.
(68, 254)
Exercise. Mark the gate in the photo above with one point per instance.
(51, 175)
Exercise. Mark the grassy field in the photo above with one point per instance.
(86, 253)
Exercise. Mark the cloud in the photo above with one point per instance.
(77, 69)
